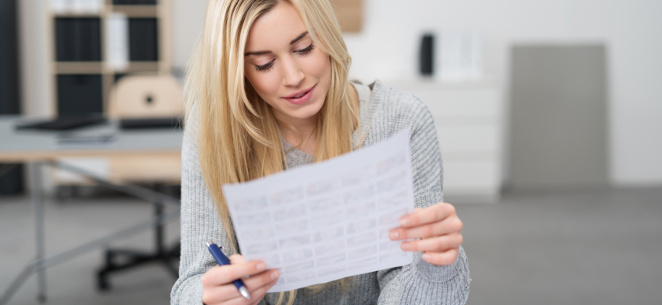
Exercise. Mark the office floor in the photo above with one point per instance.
(581, 247)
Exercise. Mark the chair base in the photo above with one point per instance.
(123, 259)
(131, 259)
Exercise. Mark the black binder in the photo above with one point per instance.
(143, 39)
(78, 39)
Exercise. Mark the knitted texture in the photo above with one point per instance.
(383, 114)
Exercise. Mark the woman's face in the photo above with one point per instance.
(284, 66)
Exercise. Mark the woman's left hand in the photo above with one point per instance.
(437, 230)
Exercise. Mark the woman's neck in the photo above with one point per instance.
(301, 136)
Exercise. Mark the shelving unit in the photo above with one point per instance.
(81, 68)
(81, 73)
(469, 122)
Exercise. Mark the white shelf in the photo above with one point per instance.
(468, 119)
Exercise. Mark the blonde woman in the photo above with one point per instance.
(268, 91)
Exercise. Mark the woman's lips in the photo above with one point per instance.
(300, 97)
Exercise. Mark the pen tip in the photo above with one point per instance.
(244, 293)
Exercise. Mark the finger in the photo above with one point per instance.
(256, 295)
(262, 291)
(434, 244)
(446, 226)
(254, 285)
(236, 259)
(219, 275)
(270, 282)
(441, 259)
(430, 214)
(219, 294)
(262, 279)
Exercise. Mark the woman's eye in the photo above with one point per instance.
(305, 50)
(265, 67)
(269, 65)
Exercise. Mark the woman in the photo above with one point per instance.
(268, 91)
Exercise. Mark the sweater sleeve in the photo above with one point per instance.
(199, 224)
(421, 282)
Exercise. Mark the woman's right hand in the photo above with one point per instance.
(218, 287)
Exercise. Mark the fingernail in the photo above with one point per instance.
(404, 222)
(404, 246)
(275, 274)
(394, 235)
(261, 266)
(426, 256)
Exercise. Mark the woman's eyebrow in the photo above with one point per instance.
(301, 36)
(257, 53)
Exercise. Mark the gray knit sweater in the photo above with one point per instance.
(383, 114)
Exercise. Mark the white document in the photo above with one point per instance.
(117, 41)
(60, 6)
(461, 55)
(329, 220)
(77, 6)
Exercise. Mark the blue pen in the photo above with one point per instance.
(221, 259)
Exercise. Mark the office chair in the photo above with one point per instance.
(146, 101)
(146, 96)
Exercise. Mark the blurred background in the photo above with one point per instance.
(548, 115)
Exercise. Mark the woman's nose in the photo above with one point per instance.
(292, 75)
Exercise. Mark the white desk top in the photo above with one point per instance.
(27, 145)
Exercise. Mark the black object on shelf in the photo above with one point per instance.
(134, 2)
(143, 39)
(426, 58)
(147, 123)
(64, 122)
(78, 39)
(79, 94)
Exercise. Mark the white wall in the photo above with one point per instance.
(388, 45)
(187, 18)
(35, 85)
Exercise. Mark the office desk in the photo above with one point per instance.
(37, 145)
(39, 148)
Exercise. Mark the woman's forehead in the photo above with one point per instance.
(277, 27)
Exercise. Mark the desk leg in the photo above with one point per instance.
(38, 206)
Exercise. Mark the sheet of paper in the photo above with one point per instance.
(329, 220)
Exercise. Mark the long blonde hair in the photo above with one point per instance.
(238, 137)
